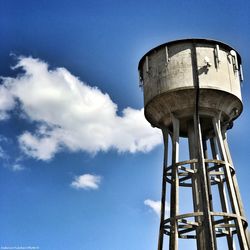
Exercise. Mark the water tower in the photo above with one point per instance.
(192, 91)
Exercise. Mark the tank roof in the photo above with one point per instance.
(194, 40)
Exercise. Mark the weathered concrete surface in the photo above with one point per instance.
(168, 76)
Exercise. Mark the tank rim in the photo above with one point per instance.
(195, 40)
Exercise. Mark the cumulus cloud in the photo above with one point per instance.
(86, 181)
(69, 114)
(156, 206)
(6, 102)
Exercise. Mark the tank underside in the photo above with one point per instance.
(182, 104)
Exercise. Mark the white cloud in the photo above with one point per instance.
(71, 115)
(17, 167)
(86, 181)
(3, 154)
(156, 206)
(42, 148)
(6, 102)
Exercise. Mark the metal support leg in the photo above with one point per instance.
(230, 185)
(222, 194)
(235, 182)
(209, 241)
(197, 204)
(174, 209)
(164, 184)
(199, 173)
(204, 143)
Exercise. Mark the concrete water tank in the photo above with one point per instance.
(171, 74)
(192, 92)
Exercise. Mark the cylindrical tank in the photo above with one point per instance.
(179, 75)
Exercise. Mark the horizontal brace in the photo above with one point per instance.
(225, 225)
(185, 226)
(219, 162)
(180, 174)
(183, 174)
(215, 167)
(187, 236)
(216, 173)
(188, 170)
(183, 216)
(227, 215)
(184, 231)
(189, 222)
(216, 179)
(223, 231)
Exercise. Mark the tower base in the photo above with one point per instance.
(210, 175)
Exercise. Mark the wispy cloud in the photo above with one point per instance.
(71, 115)
(3, 154)
(156, 206)
(86, 181)
(17, 167)
(9, 160)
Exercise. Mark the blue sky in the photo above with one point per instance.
(80, 167)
